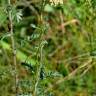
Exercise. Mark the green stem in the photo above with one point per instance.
(13, 45)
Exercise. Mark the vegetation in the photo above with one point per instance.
(47, 47)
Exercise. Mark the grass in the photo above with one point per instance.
(66, 64)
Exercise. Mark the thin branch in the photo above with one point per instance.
(39, 70)
(13, 44)
(41, 61)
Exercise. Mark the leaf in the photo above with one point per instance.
(5, 36)
(20, 55)
(19, 16)
(48, 8)
(33, 26)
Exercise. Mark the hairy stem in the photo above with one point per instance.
(39, 70)
(13, 44)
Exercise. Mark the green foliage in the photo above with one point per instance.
(55, 48)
